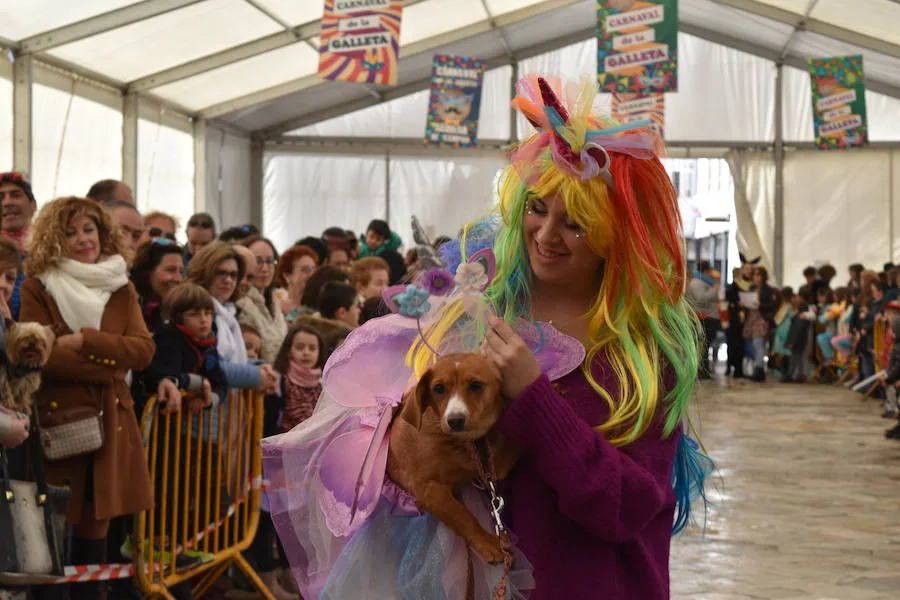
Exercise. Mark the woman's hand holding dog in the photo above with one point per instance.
(71, 341)
(513, 357)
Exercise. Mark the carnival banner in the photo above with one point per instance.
(839, 102)
(637, 46)
(628, 108)
(360, 40)
(455, 101)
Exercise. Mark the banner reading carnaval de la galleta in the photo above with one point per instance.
(360, 41)
(637, 46)
(839, 102)
(455, 101)
(630, 108)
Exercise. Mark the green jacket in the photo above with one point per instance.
(393, 243)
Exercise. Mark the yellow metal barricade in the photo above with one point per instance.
(206, 471)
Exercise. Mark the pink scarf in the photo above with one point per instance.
(303, 376)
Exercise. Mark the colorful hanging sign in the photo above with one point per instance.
(628, 108)
(455, 101)
(637, 46)
(360, 41)
(839, 102)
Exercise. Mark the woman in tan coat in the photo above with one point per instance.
(78, 283)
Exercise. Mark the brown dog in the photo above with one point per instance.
(456, 402)
(28, 348)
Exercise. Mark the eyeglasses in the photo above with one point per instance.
(226, 274)
(266, 262)
(201, 224)
(307, 270)
(163, 241)
(156, 232)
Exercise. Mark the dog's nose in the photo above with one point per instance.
(456, 422)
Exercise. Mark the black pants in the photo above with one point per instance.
(735, 339)
(710, 329)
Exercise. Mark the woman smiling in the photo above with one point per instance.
(78, 284)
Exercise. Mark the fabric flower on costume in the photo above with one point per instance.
(413, 302)
(471, 277)
(438, 282)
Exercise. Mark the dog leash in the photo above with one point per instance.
(481, 456)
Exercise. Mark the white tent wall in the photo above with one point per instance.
(165, 173)
(76, 136)
(228, 188)
(305, 194)
(6, 111)
(444, 194)
(753, 173)
(840, 207)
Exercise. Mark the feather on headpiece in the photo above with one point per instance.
(579, 142)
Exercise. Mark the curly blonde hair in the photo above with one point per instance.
(46, 243)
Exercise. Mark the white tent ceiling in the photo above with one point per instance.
(252, 63)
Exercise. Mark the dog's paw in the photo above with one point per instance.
(490, 548)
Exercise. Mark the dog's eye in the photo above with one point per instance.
(476, 386)
(440, 388)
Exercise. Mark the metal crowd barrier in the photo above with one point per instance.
(206, 471)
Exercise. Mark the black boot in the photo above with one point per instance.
(759, 375)
(88, 552)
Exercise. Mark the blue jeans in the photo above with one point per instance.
(824, 342)
(759, 352)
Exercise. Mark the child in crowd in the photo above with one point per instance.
(252, 341)
(186, 347)
(830, 310)
(338, 301)
(300, 361)
(370, 277)
(842, 341)
(377, 239)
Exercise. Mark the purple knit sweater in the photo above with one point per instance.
(594, 520)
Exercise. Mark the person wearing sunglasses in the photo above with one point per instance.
(159, 225)
(201, 230)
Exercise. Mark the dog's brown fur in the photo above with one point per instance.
(430, 459)
(27, 348)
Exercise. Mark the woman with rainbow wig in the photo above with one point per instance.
(598, 350)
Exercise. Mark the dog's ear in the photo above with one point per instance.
(417, 401)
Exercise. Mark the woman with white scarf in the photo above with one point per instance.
(78, 284)
(219, 268)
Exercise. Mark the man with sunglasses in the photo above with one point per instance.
(18, 205)
(201, 230)
(159, 225)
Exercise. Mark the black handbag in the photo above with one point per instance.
(32, 518)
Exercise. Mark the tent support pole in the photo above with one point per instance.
(130, 142)
(513, 114)
(778, 250)
(200, 166)
(387, 186)
(257, 152)
(23, 76)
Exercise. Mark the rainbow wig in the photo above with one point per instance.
(616, 189)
